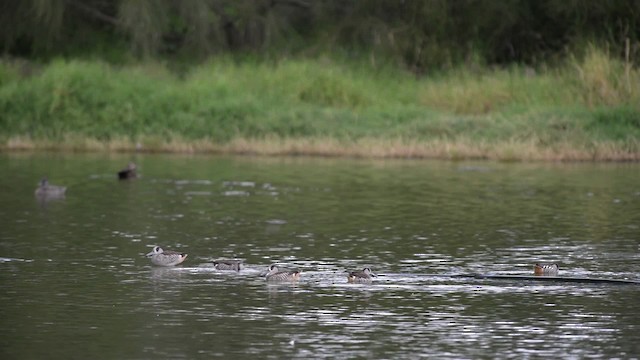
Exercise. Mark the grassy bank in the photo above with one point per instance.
(585, 109)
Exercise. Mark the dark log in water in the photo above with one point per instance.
(550, 278)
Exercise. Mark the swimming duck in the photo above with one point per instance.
(277, 274)
(128, 173)
(363, 276)
(226, 264)
(165, 258)
(47, 190)
(545, 269)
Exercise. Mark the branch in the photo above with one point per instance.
(95, 13)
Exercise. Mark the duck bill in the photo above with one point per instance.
(149, 254)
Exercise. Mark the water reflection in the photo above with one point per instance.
(167, 273)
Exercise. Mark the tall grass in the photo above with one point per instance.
(587, 108)
(604, 81)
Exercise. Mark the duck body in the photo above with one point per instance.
(161, 257)
(277, 274)
(227, 264)
(545, 269)
(363, 276)
(128, 173)
(45, 189)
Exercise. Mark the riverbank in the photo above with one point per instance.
(458, 149)
(586, 109)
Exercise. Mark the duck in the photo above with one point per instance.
(161, 257)
(228, 264)
(545, 269)
(363, 276)
(128, 173)
(277, 274)
(47, 190)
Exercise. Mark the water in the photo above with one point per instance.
(75, 283)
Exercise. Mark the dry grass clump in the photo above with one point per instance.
(606, 81)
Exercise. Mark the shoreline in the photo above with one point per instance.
(452, 150)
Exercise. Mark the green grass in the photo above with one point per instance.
(585, 109)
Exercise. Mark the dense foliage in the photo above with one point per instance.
(418, 34)
(403, 78)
